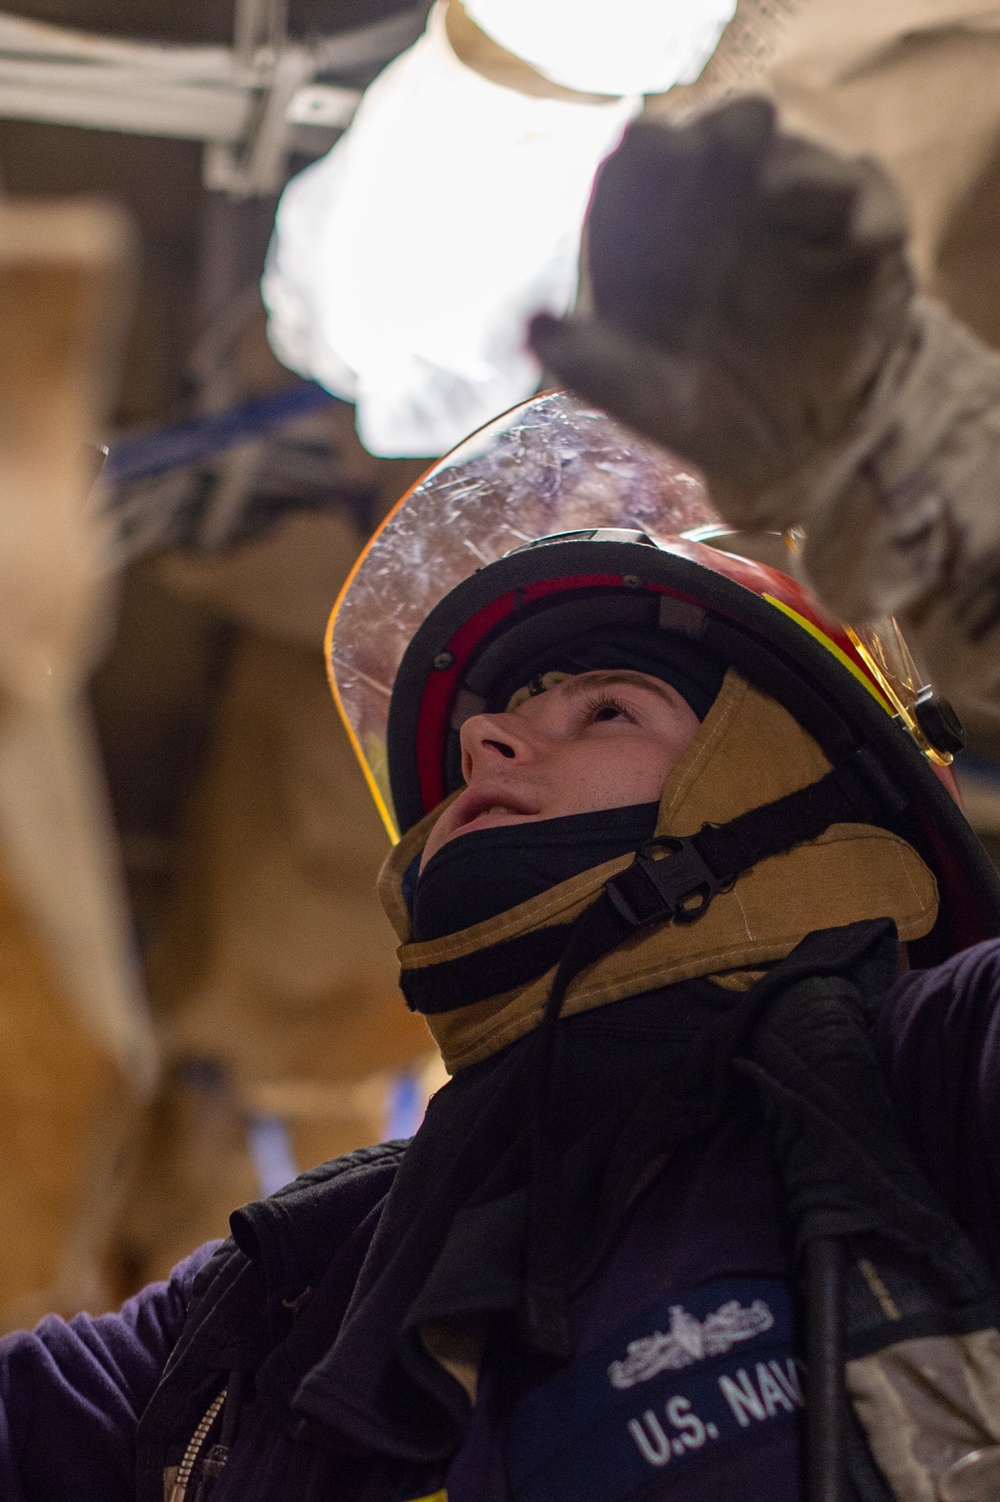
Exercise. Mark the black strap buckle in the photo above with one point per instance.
(669, 879)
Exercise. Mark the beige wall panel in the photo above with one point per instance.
(275, 982)
(278, 958)
(65, 1112)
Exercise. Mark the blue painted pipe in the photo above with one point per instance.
(198, 438)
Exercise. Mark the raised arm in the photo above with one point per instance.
(72, 1393)
(938, 1035)
(759, 307)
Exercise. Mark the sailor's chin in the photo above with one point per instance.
(494, 818)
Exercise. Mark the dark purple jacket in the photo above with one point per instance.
(97, 1410)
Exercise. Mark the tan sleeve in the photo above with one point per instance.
(916, 83)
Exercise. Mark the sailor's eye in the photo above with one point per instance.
(606, 707)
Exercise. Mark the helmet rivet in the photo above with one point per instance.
(632, 580)
(444, 660)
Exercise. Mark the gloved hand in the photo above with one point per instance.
(746, 287)
(753, 310)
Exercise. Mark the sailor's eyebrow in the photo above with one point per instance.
(604, 678)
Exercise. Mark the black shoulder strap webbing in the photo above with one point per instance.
(676, 879)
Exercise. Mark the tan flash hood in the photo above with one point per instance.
(748, 752)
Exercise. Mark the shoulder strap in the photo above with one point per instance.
(885, 1264)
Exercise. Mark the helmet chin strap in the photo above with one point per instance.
(669, 880)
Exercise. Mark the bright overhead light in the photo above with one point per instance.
(406, 263)
(624, 47)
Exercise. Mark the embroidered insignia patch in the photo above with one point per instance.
(690, 1339)
(717, 1367)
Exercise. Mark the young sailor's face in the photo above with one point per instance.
(598, 740)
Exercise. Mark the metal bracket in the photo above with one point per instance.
(251, 103)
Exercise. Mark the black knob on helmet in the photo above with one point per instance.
(939, 722)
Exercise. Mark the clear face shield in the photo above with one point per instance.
(550, 465)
